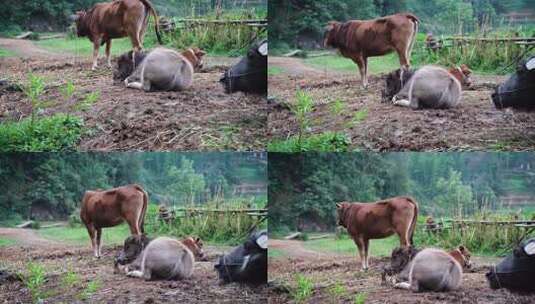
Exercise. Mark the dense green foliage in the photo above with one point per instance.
(55, 133)
(58, 180)
(303, 188)
(301, 23)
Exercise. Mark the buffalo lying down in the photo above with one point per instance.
(249, 75)
(161, 69)
(161, 258)
(247, 263)
(515, 272)
(519, 90)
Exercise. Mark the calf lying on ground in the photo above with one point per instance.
(247, 263)
(431, 269)
(161, 258)
(428, 87)
(161, 69)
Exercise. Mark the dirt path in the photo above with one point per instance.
(337, 278)
(27, 49)
(27, 237)
(474, 125)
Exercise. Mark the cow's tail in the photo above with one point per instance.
(144, 209)
(415, 21)
(412, 227)
(152, 11)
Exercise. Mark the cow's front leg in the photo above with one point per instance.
(96, 46)
(99, 235)
(366, 246)
(360, 245)
(108, 53)
(361, 63)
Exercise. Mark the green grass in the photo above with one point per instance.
(324, 142)
(59, 132)
(380, 247)
(276, 253)
(275, 70)
(376, 65)
(6, 242)
(82, 46)
(79, 235)
(6, 53)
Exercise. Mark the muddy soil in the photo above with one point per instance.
(474, 125)
(200, 118)
(59, 259)
(328, 271)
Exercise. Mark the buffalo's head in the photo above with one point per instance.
(249, 75)
(133, 246)
(195, 246)
(400, 258)
(125, 64)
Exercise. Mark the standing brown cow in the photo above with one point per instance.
(365, 221)
(360, 39)
(109, 208)
(117, 19)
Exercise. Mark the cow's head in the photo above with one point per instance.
(249, 75)
(340, 213)
(400, 257)
(195, 57)
(462, 255)
(394, 81)
(195, 246)
(125, 64)
(463, 74)
(132, 248)
(329, 34)
(82, 30)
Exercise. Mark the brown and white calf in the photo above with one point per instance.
(360, 39)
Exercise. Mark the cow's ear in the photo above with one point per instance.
(338, 205)
(200, 53)
(462, 249)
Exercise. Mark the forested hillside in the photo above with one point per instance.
(57, 181)
(305, 187)
(301, 22)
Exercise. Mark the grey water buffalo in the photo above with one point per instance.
(246, 263)
(101, 209)
(249, 75)
(110, 20)
(431, 269)
(365, 221)
(518, 90)
(360, 39)
(161, 258)
(163, 69)
(433, 87)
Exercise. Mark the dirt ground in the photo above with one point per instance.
(200, 118)
(326, 270)
(474, 125)
(59, 258)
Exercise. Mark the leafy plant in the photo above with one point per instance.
(360, 298)
(90, 289)
(337, 107)
(337, 292)
(89, 100)
(303, 106)
(324, 142)
(71, 279)
(358, 117)
(68, 90)
(303, 290)
(34, 280)
(33, 89)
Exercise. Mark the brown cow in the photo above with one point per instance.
(360, 39)
(109, 208)
(117, 19)
(365, 221)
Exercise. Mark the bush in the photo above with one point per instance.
(324, 142)
(74, 219)
(59, 132)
